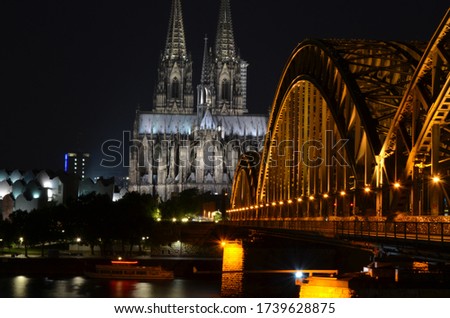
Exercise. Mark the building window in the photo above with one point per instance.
(226, 90)
(175, 88)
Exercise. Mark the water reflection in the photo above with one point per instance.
(241, 276)
(20, 286)
(30, 287)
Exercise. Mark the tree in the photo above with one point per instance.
(19, 221)
(134, 213)
(91, 220)
(186, 203)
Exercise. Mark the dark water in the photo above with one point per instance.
(73, 287)
(259, 256)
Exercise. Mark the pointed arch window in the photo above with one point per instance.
(226, 90)
(175, 88)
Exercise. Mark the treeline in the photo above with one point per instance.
(91, 220)
(95, 220)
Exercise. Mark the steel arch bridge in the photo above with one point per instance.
(357, 127)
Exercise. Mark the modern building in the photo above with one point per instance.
(34, 189)
(76, 163)
(182, 144)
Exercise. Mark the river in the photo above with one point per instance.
(259, 256)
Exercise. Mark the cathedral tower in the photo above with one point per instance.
(173, 92)
(177, 147)
(223, 86)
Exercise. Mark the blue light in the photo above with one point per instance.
(66, 162)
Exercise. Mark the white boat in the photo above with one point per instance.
(130, 270)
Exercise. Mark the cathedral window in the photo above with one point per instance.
(226, 90)
(175, 88)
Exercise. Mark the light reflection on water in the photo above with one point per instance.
(20, 286)
(30, 287)
(238, 282)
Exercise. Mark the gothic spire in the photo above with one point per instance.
(206, 65)
(225, 48)
(175, 43)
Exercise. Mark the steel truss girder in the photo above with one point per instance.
(244, 183)
(396, 93)
(353, 75)
(425, 102)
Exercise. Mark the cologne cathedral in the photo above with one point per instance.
(186, 142)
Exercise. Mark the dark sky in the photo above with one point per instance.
(75, 70)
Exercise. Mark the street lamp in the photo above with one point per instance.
(78, 240)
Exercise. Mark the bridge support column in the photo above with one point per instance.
(435, 190)
(416, 199)
(379, 183)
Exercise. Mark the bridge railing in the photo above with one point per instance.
(405, 230)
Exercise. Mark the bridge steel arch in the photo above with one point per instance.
(355, 124)
(245, 185)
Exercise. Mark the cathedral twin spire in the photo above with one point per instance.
(176, 41)
(225, 47)
(223, 76)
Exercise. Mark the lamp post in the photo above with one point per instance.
(78, 243)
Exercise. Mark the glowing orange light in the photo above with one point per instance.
(289, 201)
(299, 200)
(124, 262)
(397, 185)
(367, 189)
(343, 193)
(325, 195)
(311, 197)
(274, 203)
(281, 202)
(436, 179)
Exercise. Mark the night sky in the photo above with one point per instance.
(75, 71)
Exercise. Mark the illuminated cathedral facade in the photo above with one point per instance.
(186, 142)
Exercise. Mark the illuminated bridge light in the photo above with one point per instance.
(289, 201)
(343, 193)
(311, 197)
(274, 203)
(325, 196)
(299, 200)
(298, 274)
(436, 179)
(397, 185)
(367, 189)
(281, 202)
